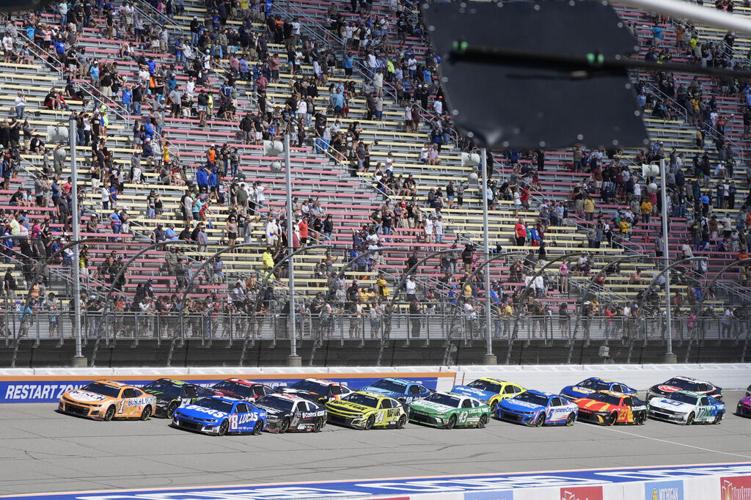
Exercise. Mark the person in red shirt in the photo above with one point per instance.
(302, 227)
(520, 232)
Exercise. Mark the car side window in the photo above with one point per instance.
(617, 388)
(191, 391)
(414, 390)
(509, 389)
(242, 408)
(703, 401)
(131, 393)
(312, 407)
(387, 403)
(335, 390)
(466, 403)
(556, 402)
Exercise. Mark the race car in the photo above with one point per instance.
(684, 384)
(537, 408)
(744, 407)
(365, 410)
(171, 394)
(242, 389)
(609, 408)
(449, 410)
(106, 399)
(289, 413)
(684, 407)
(589, 385)
(219, 415)
(401, 390)
(489, 390)
(318, 391)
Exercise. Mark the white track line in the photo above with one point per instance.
(612, 429)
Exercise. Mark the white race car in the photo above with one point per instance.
(687, 408)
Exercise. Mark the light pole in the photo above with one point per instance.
(79, 360)
(670, 357)
(489, 358)
(293, 359)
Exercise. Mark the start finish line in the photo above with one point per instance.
(700, 482)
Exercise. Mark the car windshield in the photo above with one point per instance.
(362, 399)
(389, 385)
(165, 388)
(683, 384)
(485, 386)
(215, 404)
(535, 399)
(310, 386)
(103, 389)
(606, 398)
(245, 391)
(282, 404)
(684, 398)
(444, 399)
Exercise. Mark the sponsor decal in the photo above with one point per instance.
(735, 488)
(668, 388)
(582, 493)
(664, 490)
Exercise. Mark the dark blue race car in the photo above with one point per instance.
(220, 416)
(537, 408)
(401, 390)
(589, 386)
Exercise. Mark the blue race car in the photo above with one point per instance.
(589, 386)
(537, 408)
(220, 416)
(401, 390)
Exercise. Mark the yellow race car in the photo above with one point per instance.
(489, 390)
(106, 399)
(365, 410)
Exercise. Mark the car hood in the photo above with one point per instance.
(347, 407)
(86, 396)
(671, 404)
(521, 406)
(745, 401)
(576, 390)
(473, 392)
(195, 411)
(384, 392)
(430, 407)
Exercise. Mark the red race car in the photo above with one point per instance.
(242, 389)
(609, 408)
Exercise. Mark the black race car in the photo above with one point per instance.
(290, 413)
(676, 384)
(242, 389)
(315, 390)
(171, 394)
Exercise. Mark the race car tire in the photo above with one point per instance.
(109, 414)
(400, 423)
(570, 420)
(223, 428)
(611, 419)
(640, 418)
(258, 428)
(172, 407)
(493, 406)
(284, 427)
(369, 423)
(146, 413)
(717, 419)
(318, 425)
(482, 422)
(690, 418)
(451, 423)
(539, 421)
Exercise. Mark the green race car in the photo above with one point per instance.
(448, 410)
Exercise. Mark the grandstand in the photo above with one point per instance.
(183, 203)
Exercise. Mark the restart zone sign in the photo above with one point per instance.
(733, 482)
(49, 389)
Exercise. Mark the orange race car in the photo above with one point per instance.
(609, 408)
(105, 400)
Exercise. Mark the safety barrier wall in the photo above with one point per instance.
(46, 385)
(695, 482)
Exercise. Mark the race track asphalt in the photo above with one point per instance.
(43, 451)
